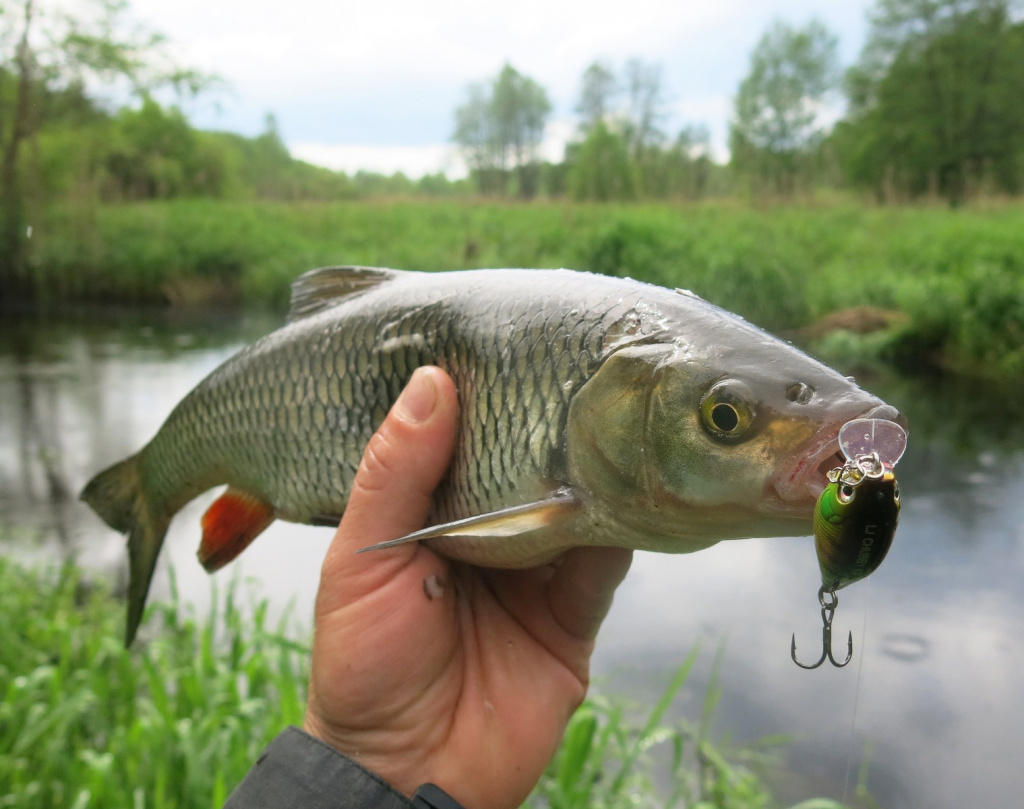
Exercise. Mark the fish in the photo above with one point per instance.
(854, 525)
(593, 411)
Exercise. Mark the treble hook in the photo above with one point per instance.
(828, 608)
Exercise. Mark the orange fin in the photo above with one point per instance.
(233, 521)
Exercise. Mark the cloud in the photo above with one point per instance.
(413, 161)
(392, 72)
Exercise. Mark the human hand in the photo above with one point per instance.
(470, 690)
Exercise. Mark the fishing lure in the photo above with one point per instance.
(855, 518)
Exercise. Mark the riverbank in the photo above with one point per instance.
(179, 720)
(913, 287)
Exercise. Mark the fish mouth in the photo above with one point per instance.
(796, 489)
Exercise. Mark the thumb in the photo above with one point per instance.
(402, 465)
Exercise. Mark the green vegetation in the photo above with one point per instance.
(776, 133)
(500, 129)
(956, 277)
(134, 205)
(621, 152)
(605, 759)
(934, 101)
(179, 721)
(59, 141)
(85, 723)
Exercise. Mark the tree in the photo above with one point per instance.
(44, 52)
(646, 106)
(600, 167)
(689, 164)
(621, 155)
(472, 133)
(776, 120)
(500, 129)
(901, 27)
(935, 100)
(597, 96)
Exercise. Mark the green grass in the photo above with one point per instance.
(84, 723)
(957, 275)
(178, 721)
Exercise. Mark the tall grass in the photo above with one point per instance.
(957, 275)
(178, 722)
(607, 759)
(85, 723)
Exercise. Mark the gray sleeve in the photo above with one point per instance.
(297, 771)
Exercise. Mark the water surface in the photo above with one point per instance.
(936, 688)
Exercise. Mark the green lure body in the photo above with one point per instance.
(854, 525)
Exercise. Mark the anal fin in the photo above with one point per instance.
(233, 521)
(505, 522)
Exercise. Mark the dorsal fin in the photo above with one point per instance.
(317, 290)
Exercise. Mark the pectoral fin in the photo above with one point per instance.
(232, 521)
(505, 522)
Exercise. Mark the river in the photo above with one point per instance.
(932, 699)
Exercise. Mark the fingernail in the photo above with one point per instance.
(419, 397)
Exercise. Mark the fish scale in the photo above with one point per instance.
(562, 380)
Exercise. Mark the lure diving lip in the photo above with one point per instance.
(862, 437)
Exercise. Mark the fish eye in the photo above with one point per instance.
(725, 417)
(895, 492)
(726, 410)
(846, 493)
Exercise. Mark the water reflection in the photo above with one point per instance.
(938, 674)
(81, 391)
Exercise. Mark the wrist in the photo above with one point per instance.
(365, 751)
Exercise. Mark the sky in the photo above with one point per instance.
(374, 84)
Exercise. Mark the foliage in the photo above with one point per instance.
(56, 54)
(499, 130)
(645, 107)
(607, 760)
(935, 101)
(600, 168)
(776, 124)
(597, 95)
(622, 154)
(86, 158)
(178, 721)
(85, 154)
(958, 277)
(151, 152)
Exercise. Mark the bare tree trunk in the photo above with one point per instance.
(12, 203)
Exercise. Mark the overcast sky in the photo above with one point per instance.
(374, 84)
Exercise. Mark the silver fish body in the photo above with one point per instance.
(594, 410)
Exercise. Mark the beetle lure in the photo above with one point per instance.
(855, 518)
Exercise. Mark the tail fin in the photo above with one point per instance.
(116, 494)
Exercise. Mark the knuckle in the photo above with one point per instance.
(379, 463)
